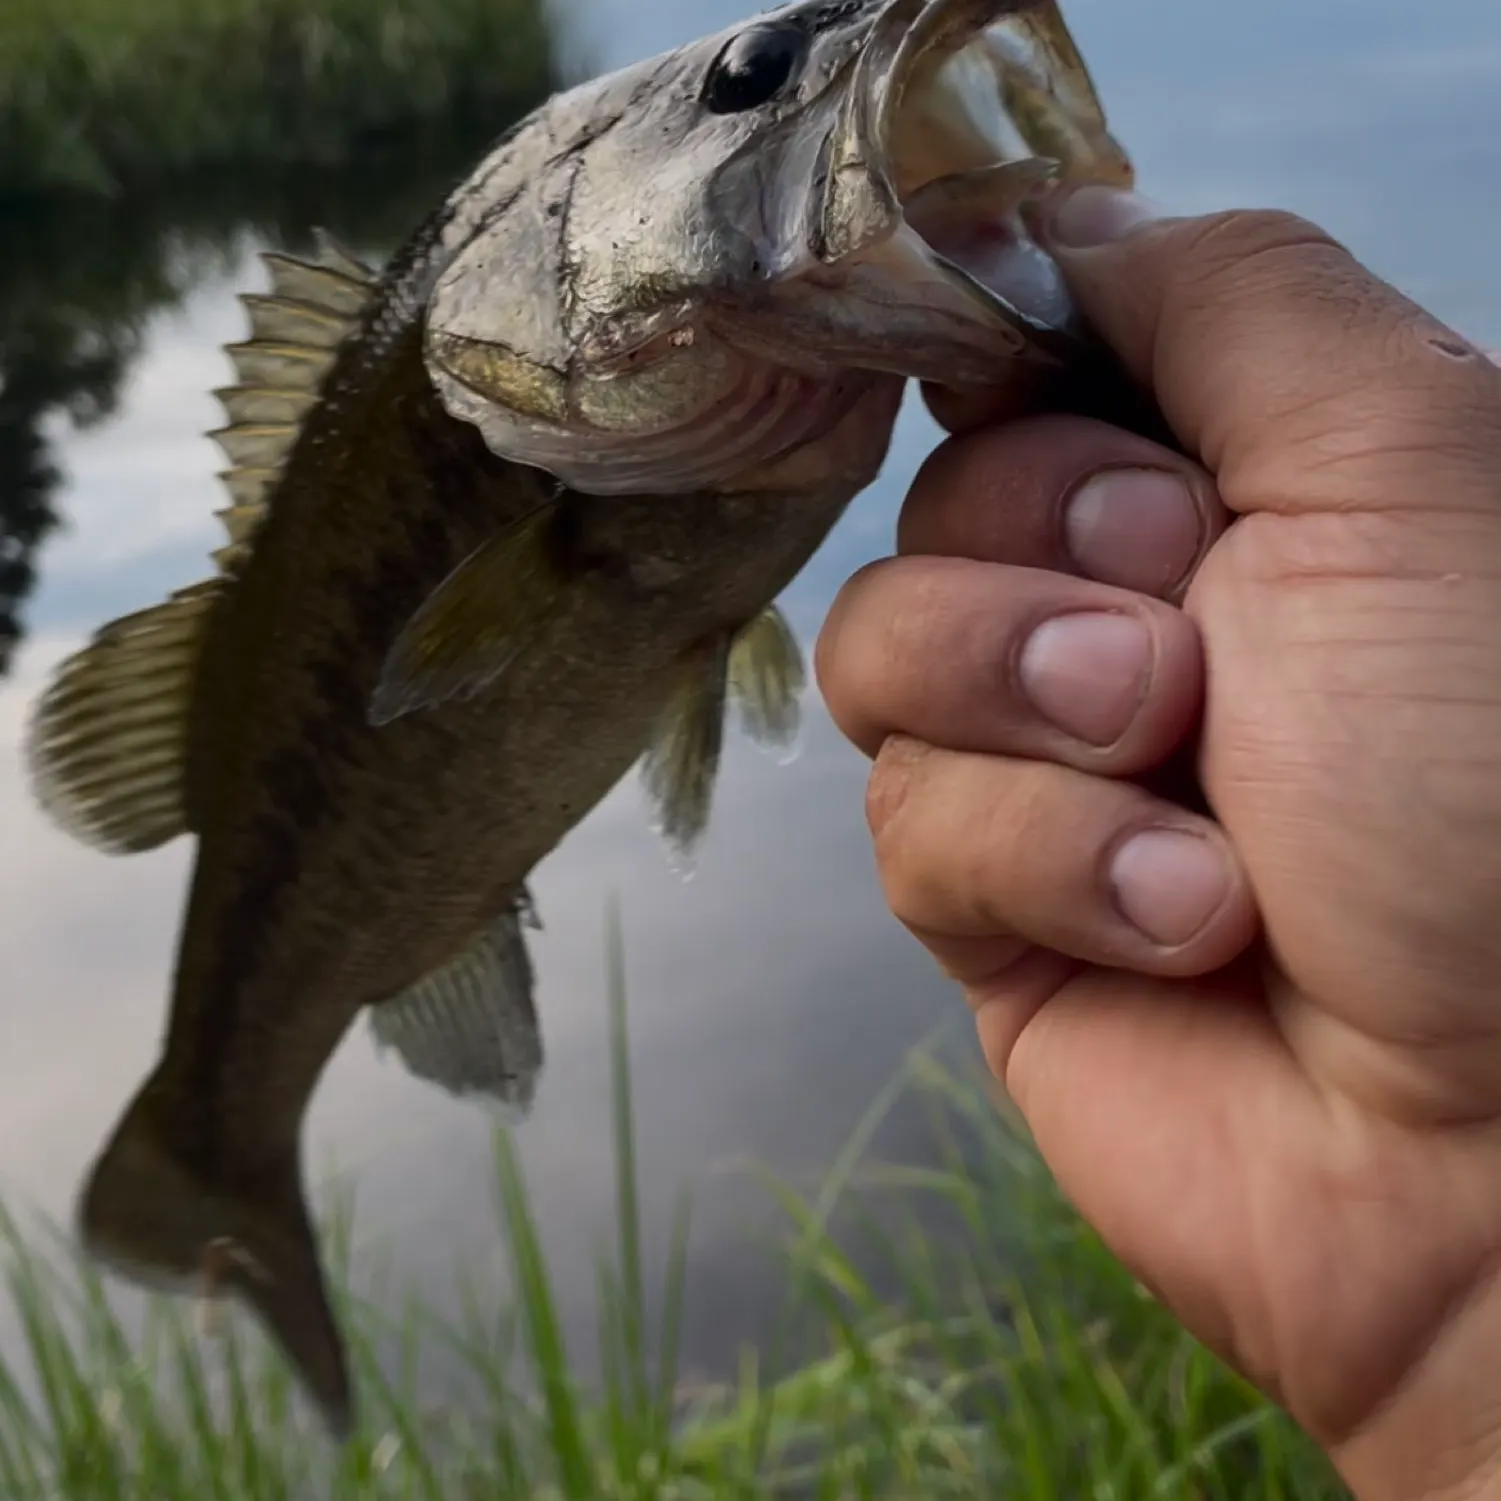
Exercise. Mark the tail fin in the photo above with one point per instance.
(154, 1217)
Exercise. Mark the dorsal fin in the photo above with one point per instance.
(108, 741)
(295, 331)
(108, 744)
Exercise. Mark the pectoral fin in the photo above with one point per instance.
(767, 679)
(474, 624)
(682, 762)
(471, 1027)
(762, 668)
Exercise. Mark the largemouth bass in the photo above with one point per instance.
(508, 519)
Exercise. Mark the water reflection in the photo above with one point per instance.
(771, 996)
(80, 277)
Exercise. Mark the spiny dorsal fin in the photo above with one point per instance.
(327, 251)
(471, 1026)
(317, 284)
(107, 748)
(295, 330)
(108, 742)
(264, 404)
(762, 667)
(290, 367)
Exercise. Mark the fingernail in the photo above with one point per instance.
(1087, 674)
(1136, 528)
(1094, 215)
(1169, 883)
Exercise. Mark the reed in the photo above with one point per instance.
(1018, 1361)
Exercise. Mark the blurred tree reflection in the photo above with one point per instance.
(80, 276)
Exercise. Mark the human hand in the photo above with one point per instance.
(1261, 1050)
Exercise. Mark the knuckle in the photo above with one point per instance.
(841, 629)
(964, 483)
(1258, 286)
(1405, 438)
(939, 487)
(952, 834)
(1019, 810)
(893, 778)
(908, 634)
(920, 614)
(827, 653)
(898, 650)
(1262, 242)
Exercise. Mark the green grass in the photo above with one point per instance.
(1019, 1361)
(104, 95)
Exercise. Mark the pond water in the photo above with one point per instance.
(771, 996)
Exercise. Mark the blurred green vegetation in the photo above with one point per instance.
(1018, 1360)
(81, 276)
(144, 143)
(105, 95)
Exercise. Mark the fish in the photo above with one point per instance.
(507, 519)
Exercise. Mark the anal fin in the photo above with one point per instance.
(471, 1026)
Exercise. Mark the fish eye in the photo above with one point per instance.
(752, 68)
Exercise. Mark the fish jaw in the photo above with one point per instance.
(718, 291)
(919, 260)
(946, 87)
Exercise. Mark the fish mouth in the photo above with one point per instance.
(805, 258)
(960, 114)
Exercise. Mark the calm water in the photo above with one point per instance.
(771, 995)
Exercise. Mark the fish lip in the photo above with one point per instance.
(865, 207)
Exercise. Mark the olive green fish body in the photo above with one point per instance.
(341, 861)
(510, 519)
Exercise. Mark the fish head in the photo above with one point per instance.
(682, 273)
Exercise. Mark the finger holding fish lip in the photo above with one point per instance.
(1024, 614)
(960, 409)
(1070, 494)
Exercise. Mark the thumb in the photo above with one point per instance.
(1273, 353)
